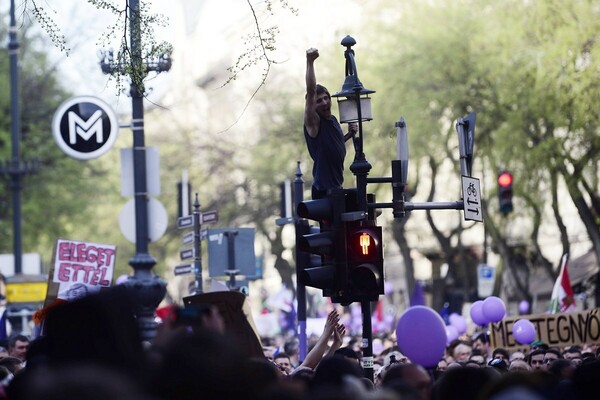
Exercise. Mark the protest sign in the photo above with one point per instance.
(556, 330)
(82, 268)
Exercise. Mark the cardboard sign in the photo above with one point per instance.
(556, 330)
(82, 268)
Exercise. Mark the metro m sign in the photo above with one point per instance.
(85, 127)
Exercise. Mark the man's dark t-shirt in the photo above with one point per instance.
(328, 151)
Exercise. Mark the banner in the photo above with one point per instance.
(82, 268)
(556, 330)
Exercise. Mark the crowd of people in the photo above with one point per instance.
(91, 349)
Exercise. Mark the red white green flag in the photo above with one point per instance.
(562, 299)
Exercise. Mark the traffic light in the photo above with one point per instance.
(364, 254)
(327, 241)
(505, 192)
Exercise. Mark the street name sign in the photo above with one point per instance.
(188, 238)
(186, 254)
(183, 269)
(210, 217)
(185, 222)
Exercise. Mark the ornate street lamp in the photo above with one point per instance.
(355, 106)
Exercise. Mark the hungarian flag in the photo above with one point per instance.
(562, 299)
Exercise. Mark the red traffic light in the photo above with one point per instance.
(363, 243)
(505, 179)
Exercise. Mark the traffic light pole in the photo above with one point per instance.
(367, 340)
(302, 261)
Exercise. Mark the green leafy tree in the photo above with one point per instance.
(529, 71)
(59, 198)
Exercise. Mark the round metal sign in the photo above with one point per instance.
(85, 127)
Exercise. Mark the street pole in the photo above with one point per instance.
(367, 340)
(197, 215)
(302, 261)
(148, 289)
(15, 129)
(14, 168)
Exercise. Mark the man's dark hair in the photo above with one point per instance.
(291, 347)
(501, 350)
(347, 352)
(281, 355)
(554, 351)
(572, 350)
(482, 336)
(12, 341)
(11, 363)
(322, 89)
(534, 353)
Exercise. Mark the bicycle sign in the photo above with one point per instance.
(471, 199)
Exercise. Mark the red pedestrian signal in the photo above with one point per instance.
(365, 243)
(364, 246)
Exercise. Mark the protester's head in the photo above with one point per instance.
(463, 383)
(481, 342)
(562, 369)
(585, 380)
(205, 364)
(573, 354)
(517, 355)
(348, 353)
(501, 353)
(331, 372)
(550, 356)
(519, 365)
(412, 375)
(13, 364)
(282, 360)
(291, 347)
(99, 328)
(442, 365)
(18, 346)
(536, 359)
(323, 102)
(322, 89)
(462, 352)
(476, 359)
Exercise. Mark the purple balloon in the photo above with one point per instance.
(476, 313)
(451, 333)
(524, 331)
(459, 322)
(421, 335)
(493, 309)
(524, 307)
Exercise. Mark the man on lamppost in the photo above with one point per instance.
(324, 136)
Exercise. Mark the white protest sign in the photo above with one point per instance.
(82, 268)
